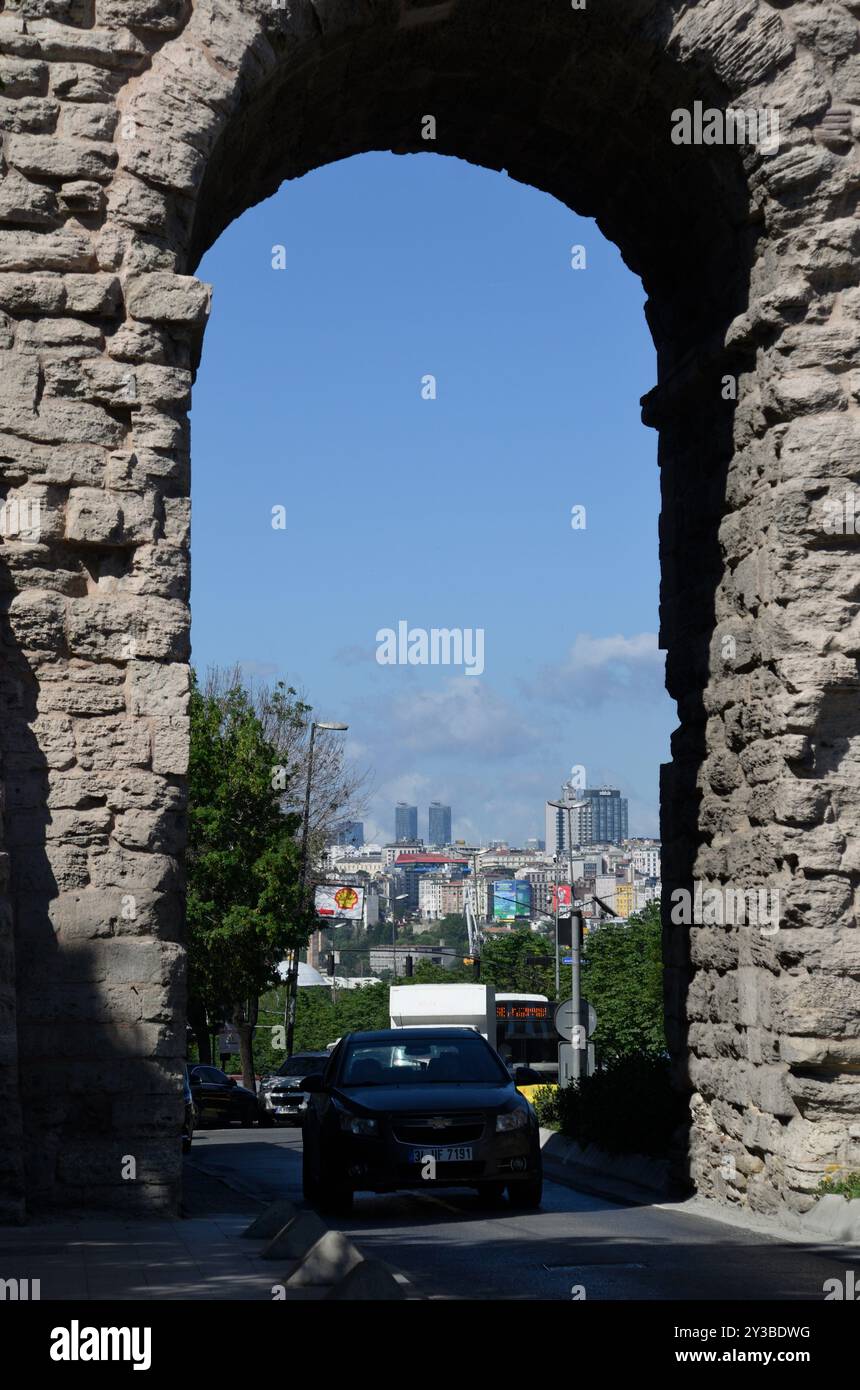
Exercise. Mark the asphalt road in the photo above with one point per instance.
(449, 1246)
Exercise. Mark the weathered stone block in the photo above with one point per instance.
(167, 297)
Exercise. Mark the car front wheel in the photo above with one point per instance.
(335, 1198)
(527, 1194)
(490, 1194)
(309, 1182)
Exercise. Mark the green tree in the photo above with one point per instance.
(319, 1021)
(623, 979)
(504, 964)
(243, 901)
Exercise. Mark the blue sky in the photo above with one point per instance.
(447, 513)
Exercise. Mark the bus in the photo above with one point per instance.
(526, 1037)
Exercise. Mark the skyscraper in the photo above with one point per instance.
(350, 832)
(439, 824)
(608, 814)
(405, 823)
(601, 820)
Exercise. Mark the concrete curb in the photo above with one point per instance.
(833, 1218)
(635, 1180)
(630, 1178)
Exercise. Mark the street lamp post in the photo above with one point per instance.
(399, 898)
(575, 937)
(293, 978)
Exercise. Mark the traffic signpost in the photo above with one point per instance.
(571, 1051)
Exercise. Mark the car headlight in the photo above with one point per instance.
(514, 1119)
(354, 1124)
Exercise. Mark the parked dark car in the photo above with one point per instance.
(219, 1099)
(281, 1094)
(190, 1116)
(420, 1108)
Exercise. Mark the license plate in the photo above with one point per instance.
(462, 1154)
(282, 1109)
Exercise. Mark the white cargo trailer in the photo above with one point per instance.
(427, 1006)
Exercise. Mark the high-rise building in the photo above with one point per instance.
(558, 819)
(405, 823)
(608, 814)
(350, 832)
(600, 820)
(439, 824)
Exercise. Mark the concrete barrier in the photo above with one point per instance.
(328, 1260)
(296, 1238)
(369, 1280)
(270, 1221)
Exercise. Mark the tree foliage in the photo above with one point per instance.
(504, 963)
(243, 900)
(623, 979)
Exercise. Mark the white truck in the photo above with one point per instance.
(427, 1006)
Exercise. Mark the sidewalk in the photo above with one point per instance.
(199, 1255)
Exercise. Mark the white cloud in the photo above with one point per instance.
(599, 669)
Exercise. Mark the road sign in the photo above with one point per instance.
(567, 960)
(228, 1041)
(566, 1064)
(564, 1018)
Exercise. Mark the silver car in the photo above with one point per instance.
(280, 1096)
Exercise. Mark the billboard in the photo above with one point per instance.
(561, 899)
(339, 900)
(512, 899)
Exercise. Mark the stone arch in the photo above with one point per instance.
(135, 131)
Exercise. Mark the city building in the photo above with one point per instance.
(349, 832)
(608, 814)
(601, 819)
(625, 899)
(440, 896)
(380, 957)
(405, 823)
(439, 824)
(558, 818)
(411, 867)
(646, 860)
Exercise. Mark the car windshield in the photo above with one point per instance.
(427, 1062)
(302, 1066)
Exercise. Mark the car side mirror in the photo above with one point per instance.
(312, 1083)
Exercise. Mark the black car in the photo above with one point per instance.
(190, 1114)
(282, 1096)
(419, 1108)
(219, 1099)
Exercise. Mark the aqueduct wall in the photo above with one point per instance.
(134, 131)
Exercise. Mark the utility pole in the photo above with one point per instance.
(575, 938)
(557, 951)
(293, 976)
